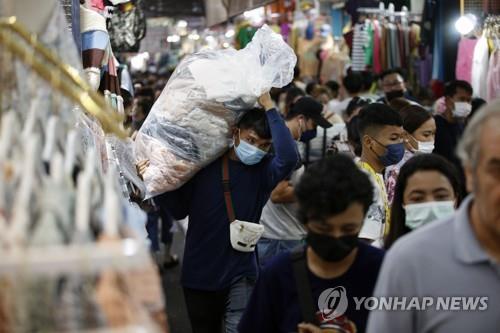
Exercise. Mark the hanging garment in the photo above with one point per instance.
(377, 64)
(438, 48)
(394, 59)
(358, 44)
(417, 6)
(127, 27)
(369, 45)
(401, 44)
(493, 80)
(335, 64)
(310, 31)
(383, 46)
(480, 68)
(244, 36)
(465, 56)
(308, 61)
(96, 47)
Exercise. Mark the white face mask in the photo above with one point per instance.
(462, 110)
(425, 147)
(420, 214)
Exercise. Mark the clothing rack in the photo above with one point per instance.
(61, 77)
(389, 12)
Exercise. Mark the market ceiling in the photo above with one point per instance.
(174, 8)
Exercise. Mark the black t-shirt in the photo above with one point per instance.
(274, 305)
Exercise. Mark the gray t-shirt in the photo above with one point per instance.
(280, 220)
(443, 259)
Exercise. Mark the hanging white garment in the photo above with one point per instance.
(480, 62)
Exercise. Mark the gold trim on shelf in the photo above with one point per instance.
(60, 76)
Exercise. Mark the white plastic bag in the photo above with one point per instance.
(190, 124)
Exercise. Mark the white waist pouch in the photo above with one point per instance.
(245, 235)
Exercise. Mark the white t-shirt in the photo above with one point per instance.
(375, 220)
(280, 219)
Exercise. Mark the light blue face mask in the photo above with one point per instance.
(420, 214)
(249, 154)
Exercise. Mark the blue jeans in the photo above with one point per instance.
(267, 248)
(237, 300)
(210, 311)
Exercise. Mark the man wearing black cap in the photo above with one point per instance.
(307, 108)
(282, 229)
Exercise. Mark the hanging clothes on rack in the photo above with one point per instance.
(493, 79)
(127, 27)
(360, 38)
(335, 62)
(465, 57)
(492, 29)
(480, 67)
(57, 205)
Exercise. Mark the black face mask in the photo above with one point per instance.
(330, 248)
(394, 94)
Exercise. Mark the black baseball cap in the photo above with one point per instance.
(309, 108)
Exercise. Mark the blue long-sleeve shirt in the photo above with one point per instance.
(210, 263)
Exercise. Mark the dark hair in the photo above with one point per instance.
(367, 79)
(296, 72)
(310, 87)
(256, 120)
(422, 162)
(353, 135)
(413, 117)
(291, 94)
(450, 89)
(399, 103)
(145, 104)
(329, 186)
(334, 86)
(355, 103)
(320, 90)
(145, 91)
(276, 93)
(477, 103)
(377, 115)
(399, 71)
(353, 83)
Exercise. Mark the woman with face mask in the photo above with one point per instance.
(420, 131)
(299, 291)
(428, 189)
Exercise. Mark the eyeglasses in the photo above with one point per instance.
(393, 84)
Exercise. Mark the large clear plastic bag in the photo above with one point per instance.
(190, 124)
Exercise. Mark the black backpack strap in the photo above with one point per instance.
(323, 152)
(303, 285)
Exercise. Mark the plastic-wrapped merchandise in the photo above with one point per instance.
(190, 124)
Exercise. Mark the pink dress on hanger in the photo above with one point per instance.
(465, 55)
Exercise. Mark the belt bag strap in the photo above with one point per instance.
(227, 189)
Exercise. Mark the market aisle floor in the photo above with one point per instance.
(176, 308)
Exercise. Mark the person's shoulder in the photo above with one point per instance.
(280, 266)
(371, 254)
(440, 120)
(426, 241)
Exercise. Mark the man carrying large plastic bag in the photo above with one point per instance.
(190, 125)
(225, 199)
